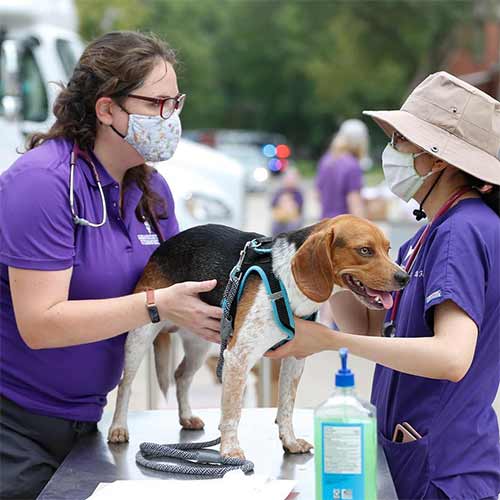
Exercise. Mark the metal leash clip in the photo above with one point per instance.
(237, 268)
(208, 457)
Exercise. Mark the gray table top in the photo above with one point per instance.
(93, 460)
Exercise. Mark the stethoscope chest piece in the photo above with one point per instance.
(389, 329)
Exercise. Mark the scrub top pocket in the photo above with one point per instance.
(409, 465)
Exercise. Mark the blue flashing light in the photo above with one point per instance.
(274, 165)
(269, 150)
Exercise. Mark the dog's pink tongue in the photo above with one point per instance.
(385, 297)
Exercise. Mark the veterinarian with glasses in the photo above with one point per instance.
(438, 347)
(80, 215)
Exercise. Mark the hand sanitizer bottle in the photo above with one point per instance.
(345, 435)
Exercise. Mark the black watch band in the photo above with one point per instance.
(154, 315)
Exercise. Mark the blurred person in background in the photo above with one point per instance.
(288, 204)
(340, 178)
(80, 214)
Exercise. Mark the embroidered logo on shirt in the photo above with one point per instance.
(150, 238)
(432, 296)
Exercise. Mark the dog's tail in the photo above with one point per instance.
(164, 361)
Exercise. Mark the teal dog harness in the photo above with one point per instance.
(256, 258)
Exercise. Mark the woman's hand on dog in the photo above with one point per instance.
(181, 304)
(310, 338)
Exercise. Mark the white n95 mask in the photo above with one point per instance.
(399, 172)
(154, 138)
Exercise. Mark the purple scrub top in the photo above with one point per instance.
(459, 453)
(37, 232)
(336, 178)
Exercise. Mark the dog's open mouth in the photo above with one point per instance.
(375, 299)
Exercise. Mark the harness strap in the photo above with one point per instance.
(278, 296)
(256, 258)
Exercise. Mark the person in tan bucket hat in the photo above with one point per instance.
(437, 343)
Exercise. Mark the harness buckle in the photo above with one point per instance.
(275, 296)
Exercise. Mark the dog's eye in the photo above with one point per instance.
(365, 251)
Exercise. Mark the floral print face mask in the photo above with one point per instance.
(154, 138)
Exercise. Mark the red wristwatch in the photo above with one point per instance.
(151, 305)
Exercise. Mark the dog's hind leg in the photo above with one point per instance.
(195, 352)
(290, 373)
(138, 342)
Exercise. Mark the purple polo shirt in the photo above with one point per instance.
(37, 232)
(336, 178)
(460, 451)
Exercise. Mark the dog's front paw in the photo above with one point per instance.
(192, 423)
(297, 446)
(118, 435)
(234, 452)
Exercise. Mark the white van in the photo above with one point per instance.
(39, 46)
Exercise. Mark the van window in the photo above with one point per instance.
(67, 56)
(34, 96)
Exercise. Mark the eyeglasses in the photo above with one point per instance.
(167, 105)
(397, 137)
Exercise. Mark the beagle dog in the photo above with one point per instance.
(346, 252)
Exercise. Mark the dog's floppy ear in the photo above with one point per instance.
(312, 266)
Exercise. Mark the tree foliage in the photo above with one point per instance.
(295, 67)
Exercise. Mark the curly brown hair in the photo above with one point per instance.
(113, 65)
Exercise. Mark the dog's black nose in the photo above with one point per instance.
(401, 278)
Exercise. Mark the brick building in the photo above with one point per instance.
(477, 61)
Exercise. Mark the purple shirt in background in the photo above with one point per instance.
(460, 450)
(37, 232)
(335, 179)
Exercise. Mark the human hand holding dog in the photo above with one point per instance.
(181, 304)
(310, 338)
(445, 356)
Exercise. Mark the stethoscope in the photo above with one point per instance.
(390, 326)
(75, 153)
